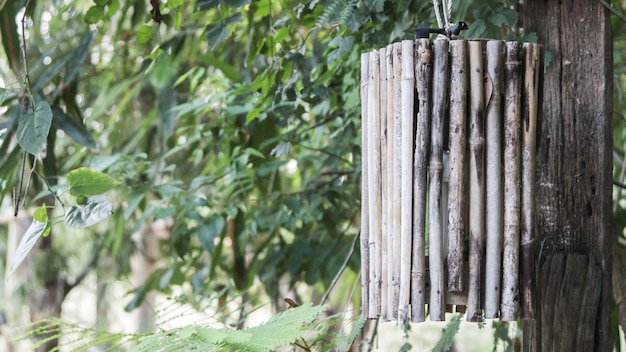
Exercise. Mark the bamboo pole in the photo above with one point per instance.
(384, 197)
(423, 75)
(494, 206)
(374, 188)
(533, 67)
(390, 179)
(397, 175)
(456, 187)
(435, 166)
(364, 184)
(476, 179)
(512, 183)
(406, 205)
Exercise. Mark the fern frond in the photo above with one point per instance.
(76, 337)
(338, 11)
(283, 329)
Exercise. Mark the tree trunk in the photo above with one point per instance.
(573, 225)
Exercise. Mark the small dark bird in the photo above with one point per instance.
(424, 32)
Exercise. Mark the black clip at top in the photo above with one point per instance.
(424, 32)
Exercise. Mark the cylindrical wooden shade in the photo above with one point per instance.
(448, 152)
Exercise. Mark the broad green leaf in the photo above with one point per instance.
(95, 209)
(89, 182)
(33, 128)
(94, 14)
(144, 34)
(207, 233)
(34, 231)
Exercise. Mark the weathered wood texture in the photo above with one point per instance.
(364, 184)
(476, 180)
(573, 219)
(423, 80)
(457, 215)
(435, 169)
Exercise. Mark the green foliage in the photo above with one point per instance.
(88, 212)
(33, 128)
(292, 324)
(27, 242)
(289, 327)
(448, 333)
(88, 182)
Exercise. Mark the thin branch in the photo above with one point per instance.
(619, 184)
(323, 151)
(341, 270)
(613, 10)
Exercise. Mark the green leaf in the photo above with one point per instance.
(505, 17)
(375, 5)
(75, 130)
(34, 231)
(140, 294)
(238, 3)
(476, 29)
(204, 5)
(95, 209)
(172, 4)
(94, 14)
(89, 182)
(41, 214)
(5, 94)
(33, 128)
(215, 34)
(448, 334)
(78, 57)
(208, 233)
(144, 34)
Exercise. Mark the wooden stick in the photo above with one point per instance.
(397, 175)
(456, 187)
(494, 206)
(476, 179)
(390, 179)
(364, 184)
(512, 182)
(533, 67)
(406, 204)
(423, 75)
(384, 197)
(435, 167)
(374, 188)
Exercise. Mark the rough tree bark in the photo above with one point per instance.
(573, 224)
